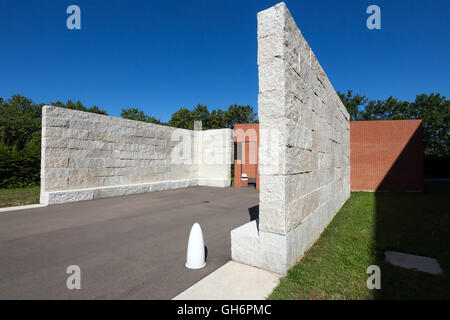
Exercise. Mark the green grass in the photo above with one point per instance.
(19, 197)
(367, 225)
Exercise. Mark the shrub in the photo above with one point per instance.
(19, 169)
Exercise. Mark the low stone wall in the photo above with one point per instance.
(88, 156)
(304, 148)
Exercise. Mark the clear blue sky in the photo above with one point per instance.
(163, 55)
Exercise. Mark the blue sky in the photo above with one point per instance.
(163, 55)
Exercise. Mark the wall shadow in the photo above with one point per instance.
(412, 222)
(407, 172)
(254, 214)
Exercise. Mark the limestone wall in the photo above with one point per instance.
(304, 148)
(88, 156)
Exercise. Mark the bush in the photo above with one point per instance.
(19, 169)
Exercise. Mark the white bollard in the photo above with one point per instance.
(196, 248)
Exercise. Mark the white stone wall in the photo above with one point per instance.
(88, 156)
(304, 148)
(215, 157)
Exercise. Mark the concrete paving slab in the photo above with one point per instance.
(131, 247)
(410, 261)
(233, 281)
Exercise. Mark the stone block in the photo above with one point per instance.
(271, 217)
(319, 142)
(271, 75)
(57, 162)
(57, 122)
(57, 142)
(271, 21)
(270, 48)
(261, 249)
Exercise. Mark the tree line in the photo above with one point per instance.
(20, 128)
(184, 118)
(433, 109)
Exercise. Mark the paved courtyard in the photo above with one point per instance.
(131, 247)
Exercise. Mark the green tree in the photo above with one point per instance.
(134, 114)
(79, 106)
(20, 118)
(183, 118)
(434, 110)
(353, 103)
(20, 141)
(389, 109)
(201, 113)
(19, 168)
(217, 119)
(239, 114)
(138, 115)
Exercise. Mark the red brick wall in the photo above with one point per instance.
(247, 135)
(386, 155)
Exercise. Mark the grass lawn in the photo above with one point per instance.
(367, 225)
(19, 197)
